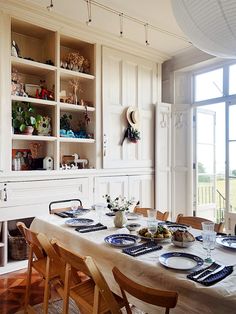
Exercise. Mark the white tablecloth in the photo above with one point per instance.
(146, 269)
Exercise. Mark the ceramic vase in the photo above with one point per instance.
(29, 130)
(120, 219)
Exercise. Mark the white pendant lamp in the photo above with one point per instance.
(209, 24)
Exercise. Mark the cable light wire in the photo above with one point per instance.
(140, 22)
(89, 8)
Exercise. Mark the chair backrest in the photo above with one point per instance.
(196, 222)
(32, 240)
(144, 211)
(167, 299)
(56, 250)
(58, 210)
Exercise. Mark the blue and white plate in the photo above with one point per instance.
(121, 240)
(181, 261)
(229, 241)
(77, 222)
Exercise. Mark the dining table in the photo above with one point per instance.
(146, 269)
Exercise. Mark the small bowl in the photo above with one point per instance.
(133, 226)
(182, 244)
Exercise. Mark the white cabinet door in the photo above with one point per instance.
(141, 188)
(163, 157)
(127, 81)
(113, 186)
(28, 199)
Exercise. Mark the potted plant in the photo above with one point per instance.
(23, 118)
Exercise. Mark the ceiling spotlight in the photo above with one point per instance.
(121, 15)
(50, 6)
(89, 8)
(146, 34)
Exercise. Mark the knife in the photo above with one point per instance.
(212, 273)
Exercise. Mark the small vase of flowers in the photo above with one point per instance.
(119, 205)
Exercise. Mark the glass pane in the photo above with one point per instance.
(209, 85)
(232, 81)
(232, 123)
(232, 174)
(205, 133)
(206, 158)
(205, 192)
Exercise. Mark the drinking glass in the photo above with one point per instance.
(208, 226)
(74, 205)
(99, 210)
(151, 212)
(152, 227)
(208, 243)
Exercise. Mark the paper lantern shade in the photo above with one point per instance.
(209, 24)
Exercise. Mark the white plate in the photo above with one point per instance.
(77, 222)
(181, 261)
(229, 241)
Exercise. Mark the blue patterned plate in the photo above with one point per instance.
(121, 240)
(181, 261)
(77, 222)
(229, 241)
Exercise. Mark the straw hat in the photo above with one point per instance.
(132, 115)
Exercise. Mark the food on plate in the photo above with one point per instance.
(183, 236)
(161, 233)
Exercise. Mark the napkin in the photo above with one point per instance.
(142, 249)
(212, 279)
(90, 228)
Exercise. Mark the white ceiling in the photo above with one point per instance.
(154, 12)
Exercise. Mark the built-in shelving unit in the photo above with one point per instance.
(43, 77)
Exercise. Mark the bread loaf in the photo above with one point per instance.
(183, 236)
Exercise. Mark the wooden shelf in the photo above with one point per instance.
(31, 67)
(34, 100)
(33, 138)
(76, 140)
(71, 107)
(69, 74)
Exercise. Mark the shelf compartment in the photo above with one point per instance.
(71, 107)
(87, 50)
(28, 154)
(81, 148)
(34, 41)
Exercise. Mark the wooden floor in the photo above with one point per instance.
(12, 291)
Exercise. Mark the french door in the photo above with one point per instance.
(215, 160)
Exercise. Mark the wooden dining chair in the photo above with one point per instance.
(53, 209)
(196, 222)
(162, 298)
(144, 211)
(91, 296)
(38, 261)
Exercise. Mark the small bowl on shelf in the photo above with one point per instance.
(133, 226)
(182, 243)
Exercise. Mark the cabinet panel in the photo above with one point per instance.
(113, 186)
(134, 85)
(141, 188)
(38, 192)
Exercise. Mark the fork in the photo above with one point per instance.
(210, 269)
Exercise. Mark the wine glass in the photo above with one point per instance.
(152, 228)
(74, 205)
(208, 243)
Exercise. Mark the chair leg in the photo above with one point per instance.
(28, 281)
(46, 288)
(66, 289)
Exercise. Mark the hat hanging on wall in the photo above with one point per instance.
(132, 115)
